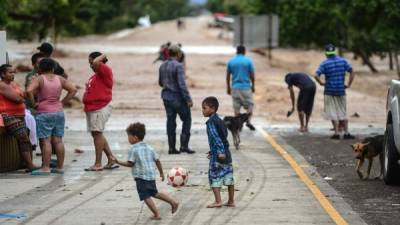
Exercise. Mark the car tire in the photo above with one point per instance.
(391, 170)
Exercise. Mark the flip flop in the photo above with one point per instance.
(94, 169)
(58, 171)
(214, 205)
(110, 167)
(229, 204)
(40, 173)
(34, 168)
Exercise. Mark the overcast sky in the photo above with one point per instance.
(198, 1)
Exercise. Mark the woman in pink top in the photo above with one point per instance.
(50, 118)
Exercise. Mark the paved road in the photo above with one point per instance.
(268, 189)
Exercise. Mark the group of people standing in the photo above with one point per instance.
(42, 99)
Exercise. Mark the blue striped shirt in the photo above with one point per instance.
(334, 68)
(218, 145)
(143, 157)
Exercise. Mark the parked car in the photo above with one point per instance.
(391, 171)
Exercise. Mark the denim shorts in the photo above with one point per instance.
(146, 188)
(50, 124)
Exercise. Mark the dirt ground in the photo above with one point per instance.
(375, 202)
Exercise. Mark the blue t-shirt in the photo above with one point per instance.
(240, 67)
(334, 68)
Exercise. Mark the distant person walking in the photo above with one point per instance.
(50, 119)
(12, 112)
(177, 100)
(305, 100)
(334, 68)
(240, 83)
(96, 100)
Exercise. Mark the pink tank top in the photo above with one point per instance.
(49, 95)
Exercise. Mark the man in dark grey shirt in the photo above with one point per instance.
(177, 100)
(305, 100)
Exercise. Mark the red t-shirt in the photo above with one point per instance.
(10, 107)
(98, 91)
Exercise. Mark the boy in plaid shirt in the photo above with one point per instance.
(220, 170)
(142, 158)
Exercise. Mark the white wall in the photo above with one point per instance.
(3, 48)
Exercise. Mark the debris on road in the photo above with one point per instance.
(79, 151)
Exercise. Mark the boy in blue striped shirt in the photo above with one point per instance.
(142, 158)
(220, 170)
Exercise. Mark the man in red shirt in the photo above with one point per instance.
(97, 98)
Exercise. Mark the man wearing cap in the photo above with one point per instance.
(334, 69)
(47, 49)
(177, 100)
(242, 85)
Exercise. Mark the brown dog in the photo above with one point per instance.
(369, 148)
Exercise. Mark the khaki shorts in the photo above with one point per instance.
(96, 120)
(242, 98)
(335, 107)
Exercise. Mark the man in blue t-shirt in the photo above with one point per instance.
(334, 68)
(241, 87)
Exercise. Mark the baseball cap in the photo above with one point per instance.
(45, 47)
(174, 48)
(330, 49)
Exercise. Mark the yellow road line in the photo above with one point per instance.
(325, 203)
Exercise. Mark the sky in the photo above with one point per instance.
(198, 1)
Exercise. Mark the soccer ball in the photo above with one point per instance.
(177, 177)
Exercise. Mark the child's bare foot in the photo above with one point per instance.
(155, 218)
(229, 204)
(174, 207)
(215, 205)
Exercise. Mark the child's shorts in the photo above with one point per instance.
(146, 188)
(226, 180)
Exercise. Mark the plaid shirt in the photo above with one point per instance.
(143, 157)
(172, 81)
(218, 145)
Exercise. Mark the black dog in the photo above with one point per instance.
(235, 124)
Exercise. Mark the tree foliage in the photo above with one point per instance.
(364, 27)
(36, 19)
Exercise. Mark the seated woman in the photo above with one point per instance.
(12, 110)
(50, 118)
